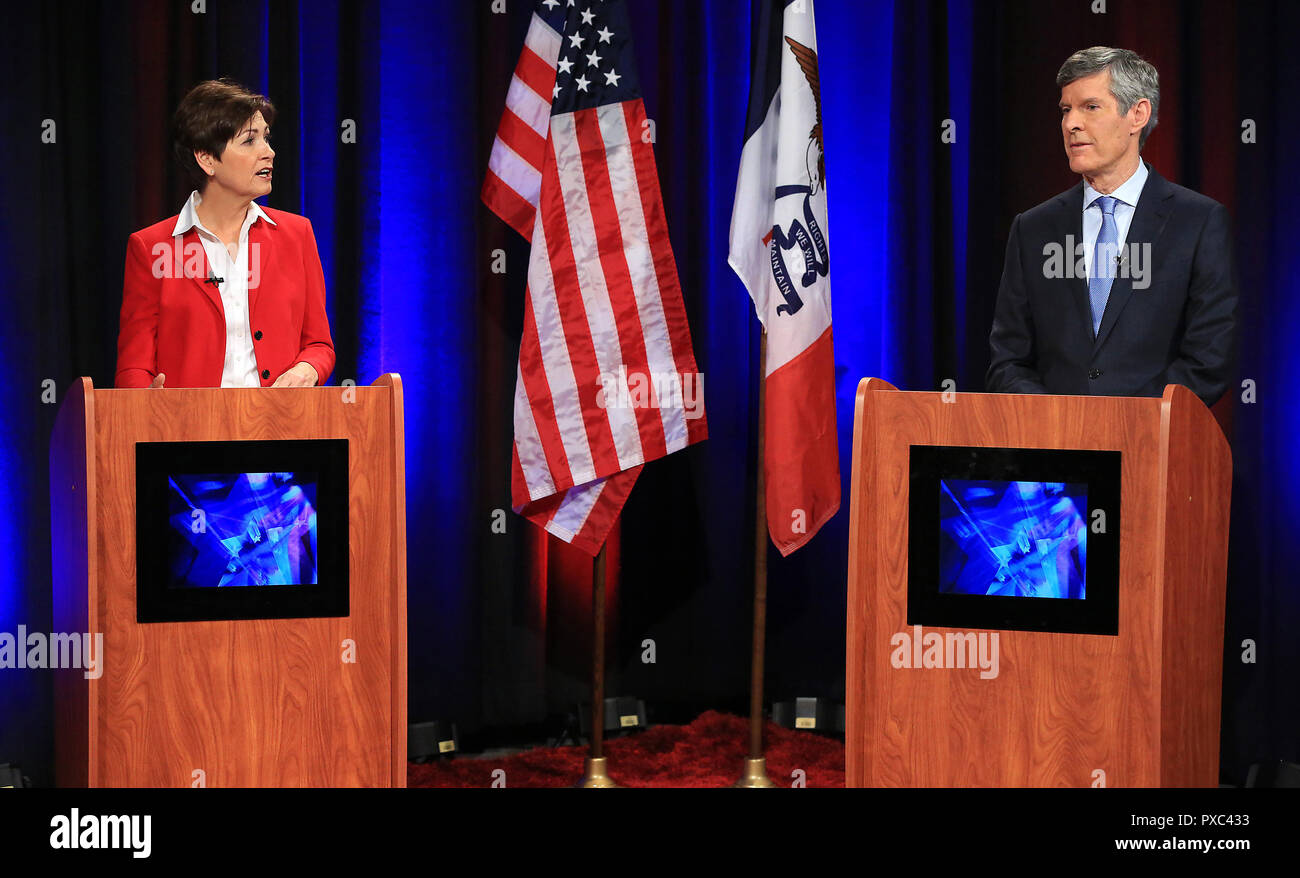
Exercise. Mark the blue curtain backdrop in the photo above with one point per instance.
(917, 227)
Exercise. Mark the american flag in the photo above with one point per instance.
(607, 379)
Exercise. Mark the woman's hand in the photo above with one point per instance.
(301, 375)
(158, 380)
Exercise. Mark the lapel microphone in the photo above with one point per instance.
(214, 280)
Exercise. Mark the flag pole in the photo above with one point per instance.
(595, 772)
(754, 774)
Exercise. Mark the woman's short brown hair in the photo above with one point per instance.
(208, 117)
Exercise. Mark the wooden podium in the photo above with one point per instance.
(1137, 709)
(250, 702)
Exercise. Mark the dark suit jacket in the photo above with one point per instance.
(1179, 330)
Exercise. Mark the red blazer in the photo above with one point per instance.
(172, 322)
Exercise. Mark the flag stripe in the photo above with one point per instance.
(670, 293)
(637, 430)
(518, 481)
(536, 74)
(530, 452)
(560, 389)
(543, 40)
(508, 204)
(601, 326)
(603, 514)
(545, 406)
(533, 109)
(638, 257)
(802, 463)
(514, 172)
(523, 141)
(603, 163)
(584, 515)
(566, 295)
(569, 516)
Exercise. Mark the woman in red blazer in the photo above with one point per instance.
(227, 293)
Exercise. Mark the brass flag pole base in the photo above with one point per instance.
(755, 775)
(595, 769)
(595, 775)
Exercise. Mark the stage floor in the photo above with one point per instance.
(707, 752)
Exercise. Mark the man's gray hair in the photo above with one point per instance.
(1131, 79)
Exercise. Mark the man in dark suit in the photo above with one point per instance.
(1126, 282)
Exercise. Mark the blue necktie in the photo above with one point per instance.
(1103, 261)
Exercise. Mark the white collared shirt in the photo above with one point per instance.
(1127, 196)
(240, 366)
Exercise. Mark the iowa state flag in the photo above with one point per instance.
(607, 378)
(779, 248)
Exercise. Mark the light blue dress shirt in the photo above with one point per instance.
(1127, 194)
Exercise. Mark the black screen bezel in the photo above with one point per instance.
(329, 597)
(1098, 613)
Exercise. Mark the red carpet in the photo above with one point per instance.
(707, 753)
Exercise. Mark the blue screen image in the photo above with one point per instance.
(234, 529)
(1013, 538)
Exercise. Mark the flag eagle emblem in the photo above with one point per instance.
(807, 59)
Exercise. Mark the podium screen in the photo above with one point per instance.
(1018, 539)
(1015, 538)
(241, 530)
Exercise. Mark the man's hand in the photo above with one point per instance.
(301, 375)
(158, 380)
